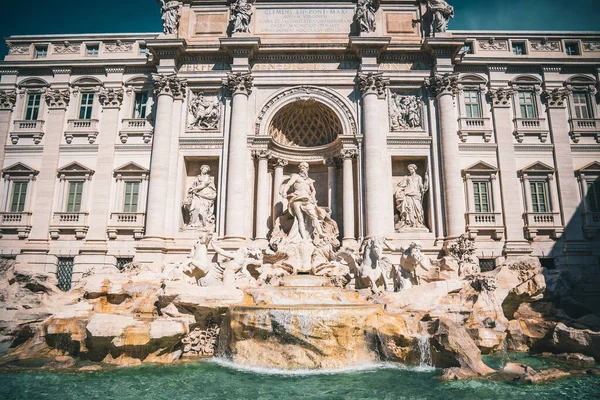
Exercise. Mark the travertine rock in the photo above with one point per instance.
(397, 335)
(570, 340)
(60, 362)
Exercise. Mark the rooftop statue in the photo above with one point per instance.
(365, 15)
(170, 11)
(441, 13)
(409, 199)
(241, 13)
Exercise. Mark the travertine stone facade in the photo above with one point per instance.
(104, 135)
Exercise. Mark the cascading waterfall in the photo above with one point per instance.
(504, 357)
(424, 350)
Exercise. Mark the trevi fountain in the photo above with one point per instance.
(305, 309)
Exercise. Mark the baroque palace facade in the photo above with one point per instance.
(120, 148)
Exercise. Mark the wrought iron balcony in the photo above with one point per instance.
(543, 222)
(69, 221)
(136, 127)
(485, 222)
(531, 127)
(475, 126)
(126, 222)
(587, 126)
(81, 128)
(22, 129)
(19, 222)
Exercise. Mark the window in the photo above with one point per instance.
(140, 105)
(539, 200)
(143, 50)
(467, 48)
(75, 195)
(547, 262)
(132, 190)
(580, 102)
(64, 273)
(472, 107)
(86, 106)
(527, 104)
(572, 48)
(482, 197)
(519, 49)
(122, 262)
(18, 197)
(41, 52)
(33, 106)
(487, 264)
(92, 50)
(593, 196)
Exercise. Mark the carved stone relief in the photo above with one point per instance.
(591, 46)
(119, 47)
(66, 48)
(18, 50)
(204, 112)
(545, 45)
(406, 112)
(8, 99)
(494, 45)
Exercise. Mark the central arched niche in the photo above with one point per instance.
(305, 123)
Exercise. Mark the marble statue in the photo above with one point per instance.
(371, 269)
(413, 262)
(441, 13)
(204, 112)
(200, 201)
(236, 263)
(405, 112)
(170, 11)
(197, 265)
(365, 15)
(241, 12)
(409, 199)
(304, 237)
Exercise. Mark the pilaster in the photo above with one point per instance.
(8, 99)
(348, 208)
(262, 193)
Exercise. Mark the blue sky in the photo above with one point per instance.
(24, 17)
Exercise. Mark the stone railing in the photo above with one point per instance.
(136, 127)
(126, 222)
(81, 128)
(33, 129)
(531, 126)
(16, 221)
(592, 220)
(588, 126)
(482, 126)
(489, 221)
(544, 221)
(69, 221)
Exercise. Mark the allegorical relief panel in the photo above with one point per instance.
(406, 112)
(204, 112)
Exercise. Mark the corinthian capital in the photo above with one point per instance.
(261, 154)
(348, 153)
(501, 97)
(239, 82)
(443, 84)
(373, 82)
(8, 98)
(111, 98)
(57, 98)
(556, 97)
(169, 85)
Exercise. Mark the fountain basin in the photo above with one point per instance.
(287, 295)
(302, 336)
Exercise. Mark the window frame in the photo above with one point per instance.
(587, 105)
(127, 204)
(569, 44)
(137, 114)
(519, 44)
(71, 207)
(92, 49)
(17, 173)
(40, 51)
(595, 186)
(535, 197)
(477, 195)
(523, 106)
(469, 105)
(86, 111)
(34, 108)
(21, 205)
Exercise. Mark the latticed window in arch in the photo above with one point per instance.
(305, 123)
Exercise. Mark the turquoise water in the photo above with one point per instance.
(212, 380)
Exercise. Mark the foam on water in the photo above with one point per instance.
(369, 367)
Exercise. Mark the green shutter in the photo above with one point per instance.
(131, 196)
(19, 196)
(75, 196)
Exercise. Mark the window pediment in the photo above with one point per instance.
(480, 168)
(592, 168)
(131, 169)
(537, 168)
(74, 170)
(19, 170)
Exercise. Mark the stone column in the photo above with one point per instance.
(563, 160)
(111, 101)
(470, 196)
(445, 88)
(377, 167)
(496, 197)
(507, 166)
(262, 193)
(165, 89)
(8, 99)
(278, 164)
(332, 165)
(348, 194)
(240, 86)
(528, 201)
(58, 101)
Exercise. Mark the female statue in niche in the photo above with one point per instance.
(200, 200)
(409, 199)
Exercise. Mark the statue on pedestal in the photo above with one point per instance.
(241, 12)
(200, 201)
(409, 199)
(441, 13)
(365, 15)
(170, 16)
